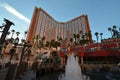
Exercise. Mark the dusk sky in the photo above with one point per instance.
(101, 13)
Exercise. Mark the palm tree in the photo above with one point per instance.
(42, 41)
(96, 34)
(78, 37)
(86, 35)
(83, 37)
(90, 36)
(74, 35)
(25, 33)
(81, 33)
(101, 35)
(47, 44)
(13, 31)
(114, 27)
(56, 44)
(115, 32)
(71, 40)
(8, 33)
(109, 29)
(43, 38)
(22, 41)
(52, 42)
(17, 33)
(60, 39)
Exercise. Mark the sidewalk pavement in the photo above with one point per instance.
(3, 73)
(29, 75)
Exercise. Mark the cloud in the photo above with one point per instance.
(15, 12)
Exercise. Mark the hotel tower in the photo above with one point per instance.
(43, 24)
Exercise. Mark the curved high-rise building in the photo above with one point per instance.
(43, 24)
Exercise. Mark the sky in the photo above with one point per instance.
(101, 13)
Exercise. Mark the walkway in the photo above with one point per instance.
(29, 75)
(3, 73)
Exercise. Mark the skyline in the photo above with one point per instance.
(101, 14)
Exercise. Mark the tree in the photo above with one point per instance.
(7, 35)
(101, 34)
(13, 31)
(47, 44)
(114, 27)
(71, 39)
(25, 33)
(22, 41)
(96, 34)
(17, 33)
(60, 39)
(116, 33)
(43, 38)
(109, 29)
(86, 35)
(89, 36)
(52, 42)
(74, 35)
(56, 44)
(41, 43)
(83, 37)
(78, 37)
(81, 33)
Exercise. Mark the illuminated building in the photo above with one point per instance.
(43, 24)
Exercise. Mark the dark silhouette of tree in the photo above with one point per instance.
(81, 33)
(83, 37)
(71, 39)
(25, 34)
(8, 35)
(13, 31)
(101, 34)
(114, 31)
(17, 33)
(60, 39)
(96, 34)
(86, 35)
(90, 36)
(110, 29)
(74, 35)
(78, 37)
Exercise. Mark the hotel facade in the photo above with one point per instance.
(43, 24)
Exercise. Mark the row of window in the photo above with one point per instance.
(47, 26)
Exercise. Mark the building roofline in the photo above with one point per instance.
(61, 21)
